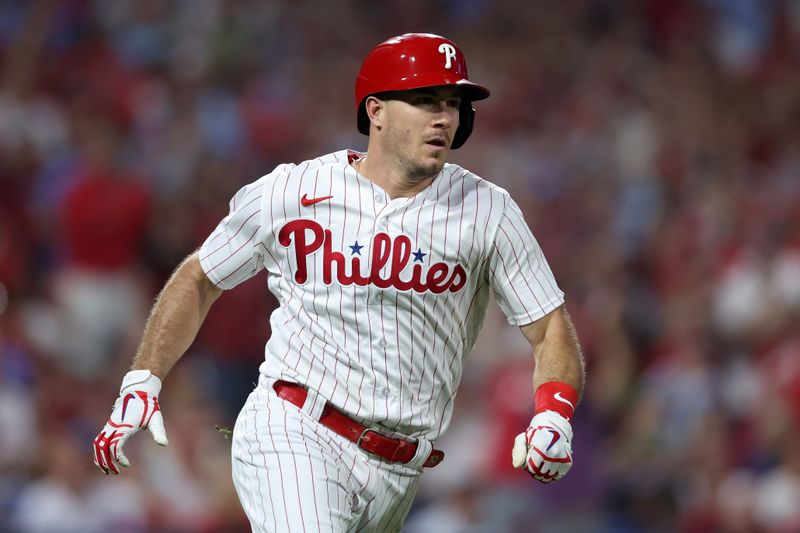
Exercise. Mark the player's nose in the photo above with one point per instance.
(444, 115)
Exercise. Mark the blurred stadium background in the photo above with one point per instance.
(653, 145)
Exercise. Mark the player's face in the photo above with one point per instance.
(419, 128)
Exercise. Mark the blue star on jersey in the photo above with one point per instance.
(356, 249)
(418, 255)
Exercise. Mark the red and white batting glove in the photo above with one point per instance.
(545, 448)
(136, 408)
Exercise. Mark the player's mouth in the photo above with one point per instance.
(437, 142)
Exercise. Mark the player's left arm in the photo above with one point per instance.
(556, 350)
(545, 448)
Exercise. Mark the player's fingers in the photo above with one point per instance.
(103, 453)
(107, 455)
(519, 452)
(99, 463)
(540, 471)
(98, 455)
(156, 427)
(122, 460)
(547, 468)
(119, 455)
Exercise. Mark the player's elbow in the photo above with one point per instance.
(191, 272)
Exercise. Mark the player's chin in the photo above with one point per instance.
(430, 167)
(434, 159)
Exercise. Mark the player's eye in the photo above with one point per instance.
(424, 100)
(454, 102)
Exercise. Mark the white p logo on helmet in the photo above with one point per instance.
(449, 52)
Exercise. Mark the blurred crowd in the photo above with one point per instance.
(653, 145)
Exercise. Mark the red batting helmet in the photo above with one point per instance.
(413, 61)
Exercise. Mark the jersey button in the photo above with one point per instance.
(379, 198)
(383, 343)
(385, 392)
(384, 222)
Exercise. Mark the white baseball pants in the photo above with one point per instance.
(293, 474)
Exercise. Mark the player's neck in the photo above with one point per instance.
(389, 177)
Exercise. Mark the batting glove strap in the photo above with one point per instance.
(142, 380)
(554, 420)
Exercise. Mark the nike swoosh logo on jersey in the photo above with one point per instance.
(305, 201)
(560, 398)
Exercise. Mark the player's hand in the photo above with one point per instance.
(545, 449)
(136, 408)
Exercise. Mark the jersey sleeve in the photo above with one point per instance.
(233, 252)
(522, 281)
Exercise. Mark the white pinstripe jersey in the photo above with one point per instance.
(380, 300)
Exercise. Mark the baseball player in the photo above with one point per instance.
(382, 263)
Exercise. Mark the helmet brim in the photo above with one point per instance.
(469, 91)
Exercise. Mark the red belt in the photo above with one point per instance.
(389, 448)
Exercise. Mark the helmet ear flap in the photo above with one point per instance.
(466, 119)
(362, 120)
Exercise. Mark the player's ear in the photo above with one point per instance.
(375, 109)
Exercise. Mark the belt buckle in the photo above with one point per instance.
(363, 435)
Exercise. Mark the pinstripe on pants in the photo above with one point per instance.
(293, 474)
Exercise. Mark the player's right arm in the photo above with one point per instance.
(229, 256)
(176, 318)
(171, 328)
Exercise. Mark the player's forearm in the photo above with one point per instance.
(557, 353)
(175, 318)
(545, 449)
